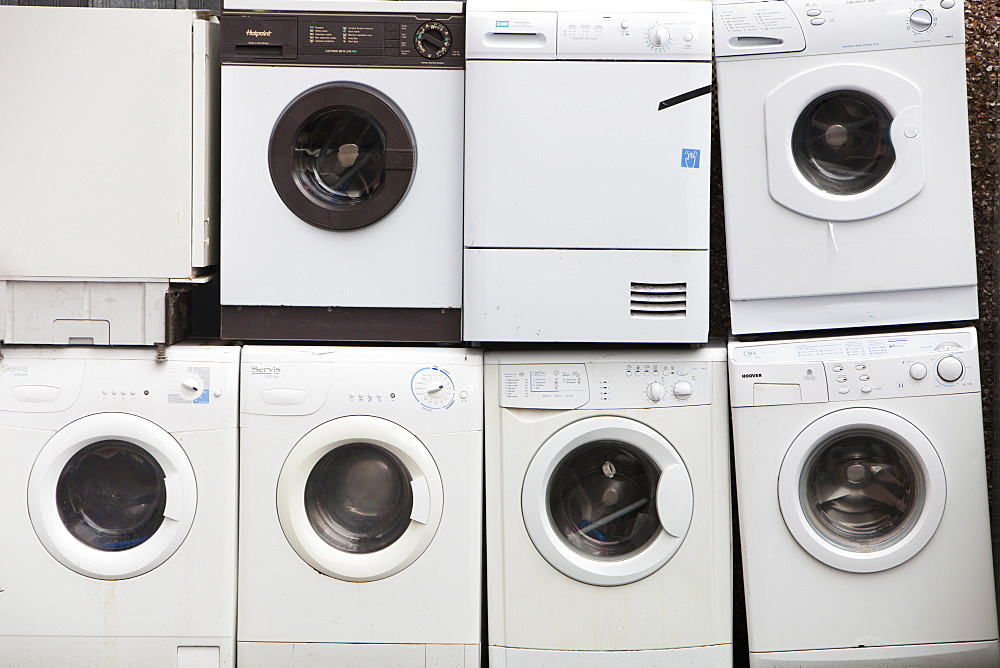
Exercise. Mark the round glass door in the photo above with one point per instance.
(342, 156)
(841, 142)
(862, 490)
(844, 142)
(359, 498)
(602, 500)
(112, 496)
(607, 500)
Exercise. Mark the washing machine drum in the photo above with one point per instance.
(607, 500)
(862, 490)
(359, 498)
(112, 496)
(342, 156)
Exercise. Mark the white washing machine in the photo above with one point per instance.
(109, 203)
(360, 506)
(845, 145)
(607, 509)
(587, 146)
(861, 483)
(118, 488)
(342, 170)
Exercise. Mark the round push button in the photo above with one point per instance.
(918, 371)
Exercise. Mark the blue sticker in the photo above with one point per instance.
(691, 158)
(503, 24)
(201, 398)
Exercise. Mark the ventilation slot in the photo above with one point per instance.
(659, 300)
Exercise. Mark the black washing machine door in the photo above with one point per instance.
(342, 156)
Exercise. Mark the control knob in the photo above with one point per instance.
(918, 371)
(950, 368)
(921, 20)
(658, 36)
(682, 389)
(432, 40)
(656, 391)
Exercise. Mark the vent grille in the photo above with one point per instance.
(658, 300)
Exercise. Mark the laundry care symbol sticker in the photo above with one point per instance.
(691, 158)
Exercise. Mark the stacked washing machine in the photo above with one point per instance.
(859, 454)
(361, 467)
(119, 463)
(587, 147)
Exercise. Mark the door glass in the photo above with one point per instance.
(340, 157)
(111, 495)
(358, 498)
(602, 500)
(862, 490)
(841, 142)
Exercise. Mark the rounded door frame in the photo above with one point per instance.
(904, 180)
(428, 498)
(400, 149)
(179, 482)
(819, 432)
(674, 501)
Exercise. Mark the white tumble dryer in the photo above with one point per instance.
(845, 157)
(360, 506)
(342, 170)
(587, 146)
(861, 482)
(109, 186)
(118, 501)
(607, 508)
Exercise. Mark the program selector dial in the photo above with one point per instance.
(950, 368)
(921, 20)
(432, 40)
(682, 389)
(656, 391)
(658, 36)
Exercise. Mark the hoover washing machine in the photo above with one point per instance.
(360, 507)
(845, 147)
(608, 519)
(861, 483)
(342, 170)
(118, 487)
(587, 146)
(108, 199)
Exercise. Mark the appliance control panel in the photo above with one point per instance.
(590, 35)
(834, 26)
(275, 38)
(636, 384)
(851, 369)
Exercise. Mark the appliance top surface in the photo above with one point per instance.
(360, 354)
(561, 30)
(187, 351)
(652, 378)
(714, 351)
(657, 6)
(347, 6)
(853, 368)
(863, 347)
(815, 27)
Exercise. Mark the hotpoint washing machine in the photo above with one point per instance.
(845, 157)
(342, 170)
(360, 506)
(108, 200)
(608, 520)
(587, 146)
(861, 483)
(118, 489)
